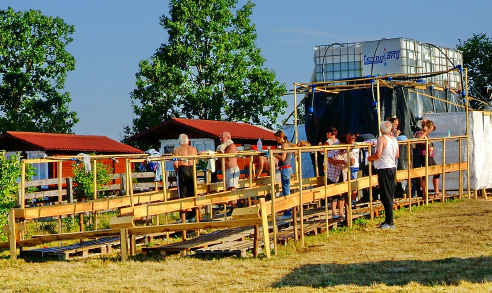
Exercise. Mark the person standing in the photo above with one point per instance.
(227, 146)
(427, 129)
(232, 171)
(184, 167)
(184, 170)
(384, 158)
(284, 167)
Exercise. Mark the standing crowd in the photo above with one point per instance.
(340, 163)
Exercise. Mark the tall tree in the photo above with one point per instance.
(210, 68)
(33, 68)
(477, 57)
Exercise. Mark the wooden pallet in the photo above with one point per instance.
(205, 240)
(85, 249)
(238, 248)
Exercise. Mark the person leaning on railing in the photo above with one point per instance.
(427, 128)
(284, 165)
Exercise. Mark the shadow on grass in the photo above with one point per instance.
(449, 271)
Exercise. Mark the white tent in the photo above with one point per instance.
(480, 127)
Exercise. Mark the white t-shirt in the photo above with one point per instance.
(388, 155)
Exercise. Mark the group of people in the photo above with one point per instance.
(184, 168)
(339, 161)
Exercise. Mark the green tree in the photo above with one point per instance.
(84, 180)
(33, 68)
(210, 68)
(477, 57)
(10, 172)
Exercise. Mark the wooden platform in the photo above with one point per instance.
(79, 250)
(205, 240)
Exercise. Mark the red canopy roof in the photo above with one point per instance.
(208, 128)
(30, 141)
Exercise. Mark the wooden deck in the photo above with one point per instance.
(84, 249)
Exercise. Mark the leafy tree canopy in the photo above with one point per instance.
(477, 57)
(33, 68)
(210, 68)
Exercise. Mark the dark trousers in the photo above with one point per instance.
(387, 185)
(186, 185)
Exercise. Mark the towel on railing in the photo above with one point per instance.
(210, 162)
(86, 159)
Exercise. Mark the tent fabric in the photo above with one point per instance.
(307, 165)
(355, 111)
(480, 127)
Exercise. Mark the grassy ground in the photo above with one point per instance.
(441, 248)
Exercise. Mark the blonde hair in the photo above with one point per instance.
(303, 143)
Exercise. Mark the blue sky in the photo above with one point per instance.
(112, 36)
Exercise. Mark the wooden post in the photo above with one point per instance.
(60, 182)
(443, 189)
(251, 175)
(126, 184)
(426, 189)
(348, 200)
(164, 179)
(325, 166)
(124, 243)
(371, 206)
(294, 223)
(301, 206)
(133, 245)
(316, 167)
(195, 194)
(273, 195)
(95, 220)
(264, 224)
(255, 242)
(460, 173)
(183, 220)
(409, 178)
(23, 185)
(81, 224)
(295, 114)
(467, 134)
(378, 105)
(94, 179)
(129, 182)
(12, 234)
(224, 185)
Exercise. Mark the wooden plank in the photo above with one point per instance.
(203, 241)
(246, 213)
(121, 222)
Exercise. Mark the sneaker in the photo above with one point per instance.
(386, 226)
(335, 217)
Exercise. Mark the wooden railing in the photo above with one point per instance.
(163, 199)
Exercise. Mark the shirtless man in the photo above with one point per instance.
(184, 168)
(231, 168)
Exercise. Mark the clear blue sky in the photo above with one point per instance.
(112, 36)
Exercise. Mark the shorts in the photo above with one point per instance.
(432, 162)
(339, 196)
(232, 177)
(353, 172)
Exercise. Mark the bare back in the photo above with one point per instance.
(185, 150)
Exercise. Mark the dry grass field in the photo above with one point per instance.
(445, 247)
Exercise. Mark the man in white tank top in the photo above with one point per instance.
(387, 152)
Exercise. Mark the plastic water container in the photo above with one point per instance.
(259, 145)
